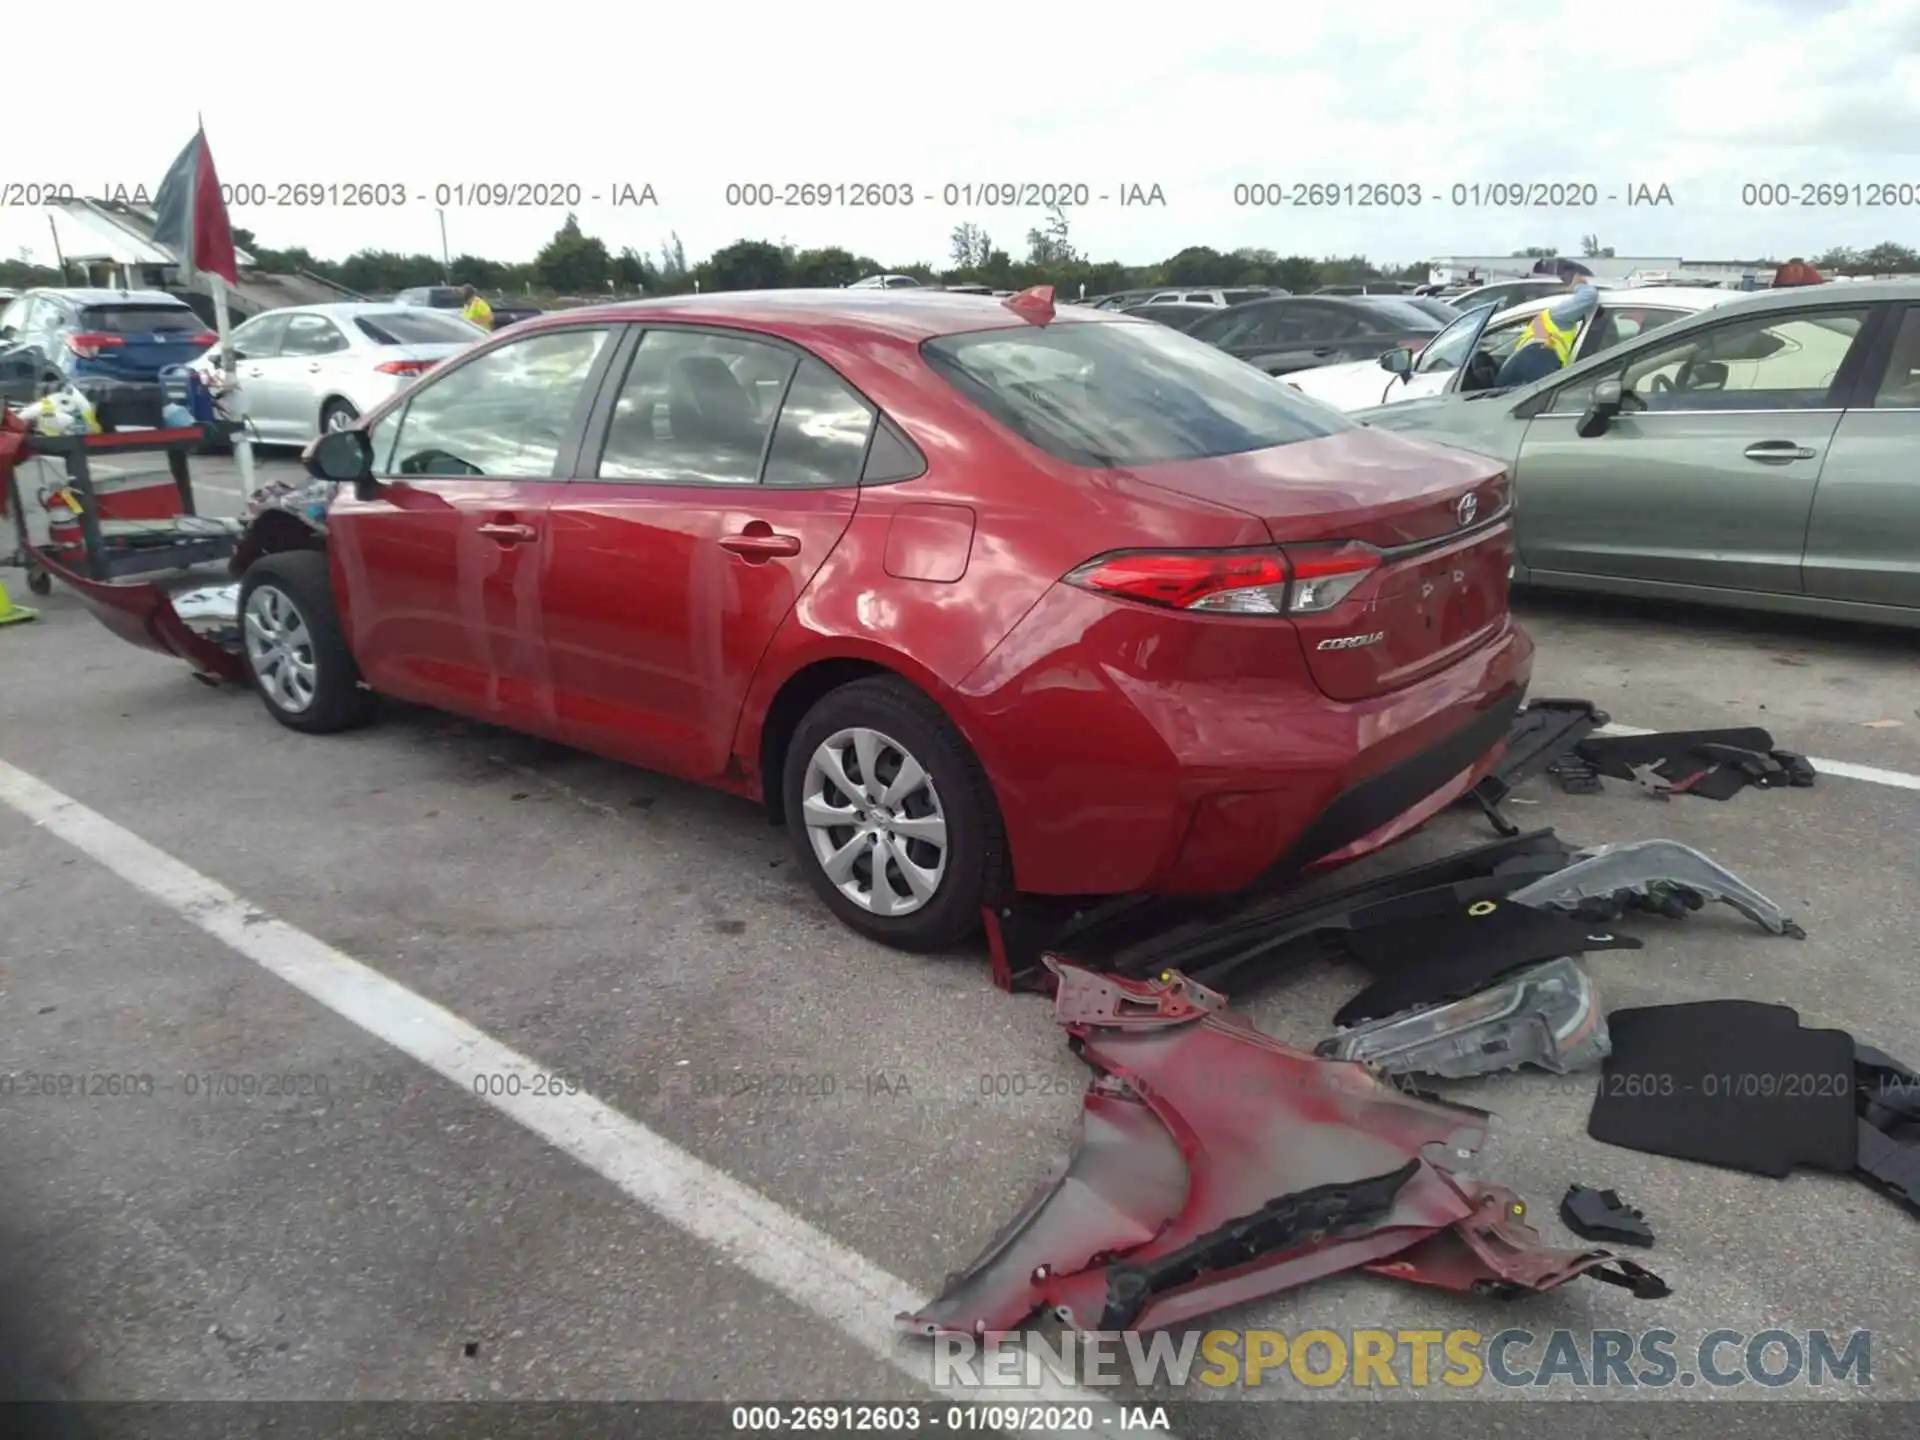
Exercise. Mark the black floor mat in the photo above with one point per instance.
(1728, 1082)
(1455, 951)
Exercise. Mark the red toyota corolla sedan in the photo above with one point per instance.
(977, 596)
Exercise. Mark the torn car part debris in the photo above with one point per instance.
(1295, 1168)
(1610, 876)
(1277, 941)
(1547, 1016)
(1714, 764)
(1457, 952)
(1603, 1215)
(1543, 735)
(1887, 1100)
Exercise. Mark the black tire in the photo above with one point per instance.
(978, 871)
(40, 582)
(334, 408)
(339, 700)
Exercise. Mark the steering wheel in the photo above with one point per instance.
(1659, 383)
(1480, 371)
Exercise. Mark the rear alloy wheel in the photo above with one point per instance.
(296, 651)
(337, 415)
(892, 817)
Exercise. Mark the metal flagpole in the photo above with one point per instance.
(242, 442)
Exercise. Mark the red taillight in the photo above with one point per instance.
(1243, 583)
(406, 367)
(203, 339)
(88, 346)
(1247, 582)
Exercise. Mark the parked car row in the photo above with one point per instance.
(1756, 450)
(1285, 334)
(1467, 355)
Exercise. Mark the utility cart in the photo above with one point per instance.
(131, 543)
(113, 526)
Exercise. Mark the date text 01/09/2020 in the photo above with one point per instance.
(900, 194)
(1460, 194)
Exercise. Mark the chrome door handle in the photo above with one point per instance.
(509, 534)
(1777, 452)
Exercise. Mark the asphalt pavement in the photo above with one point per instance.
(330, 973)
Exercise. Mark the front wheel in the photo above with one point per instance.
(296, 651)
(892, 817)
(337, 415)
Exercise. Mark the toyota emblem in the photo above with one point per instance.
(1466, 510)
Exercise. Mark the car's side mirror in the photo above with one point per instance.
(1398, 361)
(346, 457)
(1609, 398)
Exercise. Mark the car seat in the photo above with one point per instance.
(707, 404)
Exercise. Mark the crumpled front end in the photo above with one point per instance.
(1218, 1165)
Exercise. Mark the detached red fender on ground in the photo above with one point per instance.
(1217, 1165)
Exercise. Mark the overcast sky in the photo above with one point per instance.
(1701, 97)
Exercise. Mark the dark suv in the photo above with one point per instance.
(111, 345)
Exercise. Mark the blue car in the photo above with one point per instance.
(111, 345)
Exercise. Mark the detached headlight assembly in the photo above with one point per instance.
(1546, 1015)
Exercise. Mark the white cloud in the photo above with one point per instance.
(1701, 97)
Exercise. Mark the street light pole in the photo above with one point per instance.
(446, 260)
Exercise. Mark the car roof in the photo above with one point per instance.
(84, 296)
(347, 309)
(1678, 297)
(911, 315)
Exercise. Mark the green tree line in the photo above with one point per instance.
(574, 263)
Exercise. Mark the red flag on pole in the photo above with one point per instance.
(190, 218)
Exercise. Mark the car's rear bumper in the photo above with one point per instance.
(1161, 754)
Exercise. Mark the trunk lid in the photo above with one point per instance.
(1438, 518)
(137, 342)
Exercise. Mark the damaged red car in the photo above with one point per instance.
(976, 596)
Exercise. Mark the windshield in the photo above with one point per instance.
(1401, 314)
(416, 327)
(141, 320)
(1449, 350)
(1124, 393)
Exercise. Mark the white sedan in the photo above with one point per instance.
(298, 371)
(1467, 354)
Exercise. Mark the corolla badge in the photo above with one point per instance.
(1352, 642)
(1468, 507)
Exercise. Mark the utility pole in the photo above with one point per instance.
(57, 255)
(446, 259)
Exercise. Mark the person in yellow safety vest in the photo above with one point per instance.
(475, 309)
(1548, 342)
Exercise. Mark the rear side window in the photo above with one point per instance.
(1124, 393)
(821, 437)
(139, 319)
(415, 327)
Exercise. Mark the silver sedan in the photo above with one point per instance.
(295, 372)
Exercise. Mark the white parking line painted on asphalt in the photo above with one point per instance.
(1843, 769)
(770, 1243)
